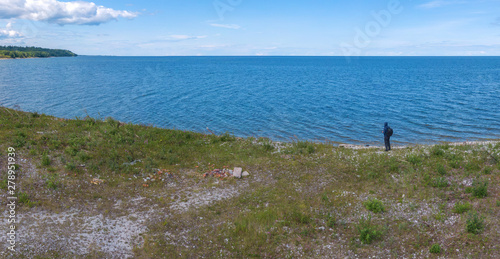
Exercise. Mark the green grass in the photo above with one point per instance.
(301, 196)
(331, 221)
(46, 160)
(462, 207)
(301, 147)
(441, 169)
(474, 223)
(439, 182)
(415, 159)
(23, 198)
(368, 232)
(374, 205)
(479, 188)
(435, 249)
(52, 181)
(437, 151)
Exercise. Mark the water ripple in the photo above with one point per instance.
(424, 99)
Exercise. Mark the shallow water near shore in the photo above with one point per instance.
(425, 99)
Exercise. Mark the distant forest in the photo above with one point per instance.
(33, 52)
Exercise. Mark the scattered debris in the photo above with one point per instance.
(219, 173)
(133, 162)
(160, 175)
(225, 172)
(46, 132)
(96, 181)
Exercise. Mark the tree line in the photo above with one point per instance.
(33, 52)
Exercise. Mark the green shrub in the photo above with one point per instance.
(441, 170)
(90, 121)
(394, 166)
(367, 231)
(4, 183)
(310, 149)
(299, 217)
(45, 160)
(487, 170)
(24, 198)
(331, 221)
(472, 167)
(437, 151)
(474, 223)
(372, 175)
(479, 188)
(226, 137)
(19, 142)
(324, 197)
(439, 182)
(52, 181)
(435, 249)
(300, 147)
(241, 226)
(71, 151)
(374, 205)
(268, 147)
(462, 207)
(305, 147)
(440, 216)
(455, 160)
(414, 159)
(70, 166)
(83, 156)
(112, 122)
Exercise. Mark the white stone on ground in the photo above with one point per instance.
(237, 172)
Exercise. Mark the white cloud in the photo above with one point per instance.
(439, 3)
(8, 32)
(184, 37)
(227, 26)
(213, 46)
(53, 11)
(432, 4)
(162, 41)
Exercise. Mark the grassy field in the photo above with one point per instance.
(100, 188)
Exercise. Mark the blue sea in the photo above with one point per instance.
(424, 99)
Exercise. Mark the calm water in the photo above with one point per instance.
(425, 99)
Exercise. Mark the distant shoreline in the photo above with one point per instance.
(13, 52)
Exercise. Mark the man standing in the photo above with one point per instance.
(387, 135)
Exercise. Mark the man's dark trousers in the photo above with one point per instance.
(387, 143)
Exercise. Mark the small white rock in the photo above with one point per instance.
(237, 172)
(245, 174)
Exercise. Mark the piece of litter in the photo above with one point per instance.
(97, 181)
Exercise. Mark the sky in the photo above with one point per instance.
(255, 27)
